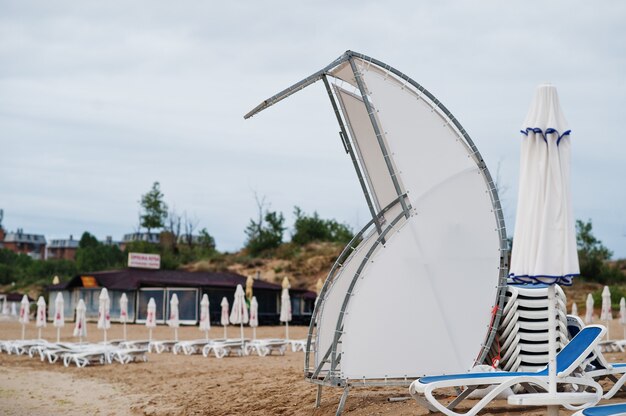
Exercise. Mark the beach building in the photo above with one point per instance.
(62, 249)
(140, 285)
(153, 238)
(33, 245)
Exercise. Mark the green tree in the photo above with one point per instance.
(92, 255)
(593, 255)
(154, 209)
(267, 232)
(313, 228)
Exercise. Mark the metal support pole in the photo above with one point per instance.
(342, 401)
(318, 397)
(379, 136)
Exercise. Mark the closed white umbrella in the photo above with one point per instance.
(104, 308)
(239, 312)
(80, 327)
(124, 312)
(24, 314)
(589, 309)
(151, 317)
(13, 309)
(606, 314)
(254, 316)
(224, 317)
(205, 316)
(59, 318)
(545, 237)
(285, 310)
(174, 322)
(574, 309)
(40, 321)
(5, 307)
(622, 314)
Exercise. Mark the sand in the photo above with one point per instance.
(192, 385)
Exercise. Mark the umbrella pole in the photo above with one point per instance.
(39, 333)
(241, 330)
(124, 330)
(23, 331)
(150, 335)
(58, 335)
(225, 334)
(287, 330)
(608, 337)
(176, 334)
(552, 410)
(206, 335)
(105, 336)
(254, 332)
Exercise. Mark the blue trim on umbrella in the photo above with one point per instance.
(550, 130)
(565, 280)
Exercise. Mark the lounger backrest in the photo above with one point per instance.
(574, 353)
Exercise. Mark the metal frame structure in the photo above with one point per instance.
(327, 371)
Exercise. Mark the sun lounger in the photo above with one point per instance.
(569, 359)
(87, 356)
(161, 346)
(265, 347)
(192, 346)
(297, 344)
(223, 348)
(137, 344)
(604, 410)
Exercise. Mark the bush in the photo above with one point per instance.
(312, 228)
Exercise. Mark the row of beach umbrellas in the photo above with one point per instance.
(238, 315)
(606, 313)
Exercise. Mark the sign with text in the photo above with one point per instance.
(89, 281)
(144, 260)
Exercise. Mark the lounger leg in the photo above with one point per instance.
(342, 401)
(318, 397)
(454, 403)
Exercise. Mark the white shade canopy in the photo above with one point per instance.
(544, 248)
(574, 309)
(239, 311)
(80, 327)
(606, 314)
(104, 308)
(40, 321)
(589, 309)
(224, 317)
(285, 306)
(174, 321)
(622, 311)
(59, 318)
(123, 308)
(24, 310)
(205, 316)
(254, 312)
(151, 314)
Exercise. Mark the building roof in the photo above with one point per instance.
(20, 237)
(16, 297)
(64, 243)
(132, 279)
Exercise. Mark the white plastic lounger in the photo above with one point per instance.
(223, 348)
(572, 356)
(193, 346)
(139, 344)
(604, 410)
(161, 346)
(95, 355)
(297, 344)
(264, 347)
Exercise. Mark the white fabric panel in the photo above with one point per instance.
(436, 280)
(367, 148)
(335, 294)
(344, 73)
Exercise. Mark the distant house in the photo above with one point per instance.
(140, 285)
(62, 249)
(33, 245)
(153, 238)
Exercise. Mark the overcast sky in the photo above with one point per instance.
(100, 99)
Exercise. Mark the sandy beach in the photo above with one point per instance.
(192, 385)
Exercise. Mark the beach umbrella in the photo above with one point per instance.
(24, 314)
(40, 320)
(318, 286)
(249, 284)
(80, 328)
(104, 307)
(124, 312)
(59, 318)
(151, 317)
(589, 309)
(205, 316)
(574, 309)
(174, 322)
(254, 315)
(5, 307)
(545, 237)
(239, 312)
(285, 310)
(606, 314)
(622, 314)
(224, 317)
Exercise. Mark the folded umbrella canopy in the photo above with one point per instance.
(174, 322)
(151, 317)
(606, 314)
(224, 317)
(59, 318)
(124, 311)
(285, 310)
(254, 316)
(545, 238)
(574, 309)
(589, 309)
(239, 312)
(104, 307)
(24, 314)
(622, 314)
(41, 315)
(80, 328)
(205, 316)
